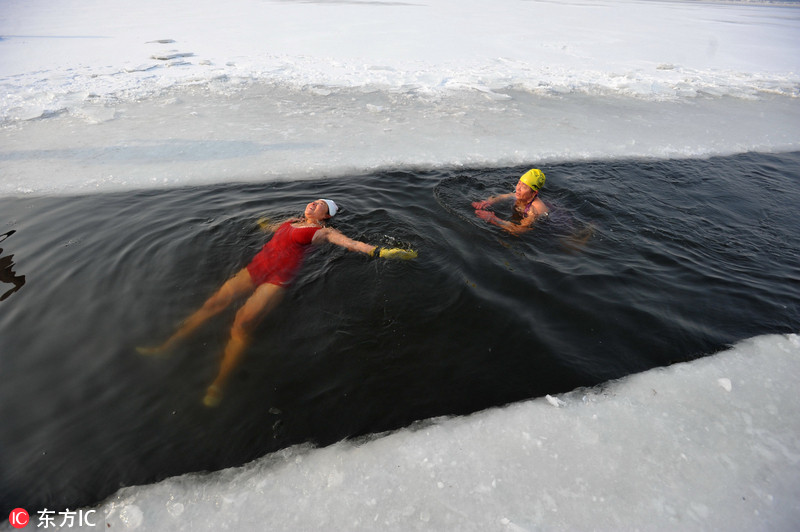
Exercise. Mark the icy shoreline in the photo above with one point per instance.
(705, 445)
(197, 136)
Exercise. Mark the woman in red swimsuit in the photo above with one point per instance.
(263, 281)
(528, 207)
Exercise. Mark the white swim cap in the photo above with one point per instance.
(332, 207)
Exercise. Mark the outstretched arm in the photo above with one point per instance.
(335, 237)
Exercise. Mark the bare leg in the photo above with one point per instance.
(262, 302)
(236, 286)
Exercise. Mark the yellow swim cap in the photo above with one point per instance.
(534, 178)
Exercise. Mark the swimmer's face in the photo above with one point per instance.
(523, 192)
(317, 210)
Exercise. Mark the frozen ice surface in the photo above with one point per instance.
(95, 97)
(199, 136)
(668, 449)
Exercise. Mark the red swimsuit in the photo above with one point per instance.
(280, 258)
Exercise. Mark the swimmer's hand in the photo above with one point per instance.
(393, 253)
(268, 225)
(487, 216)
(264, 223)
(481, 205)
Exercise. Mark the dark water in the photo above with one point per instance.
(642, 264)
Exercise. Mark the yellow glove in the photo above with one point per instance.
(266, 224)
(393, 253)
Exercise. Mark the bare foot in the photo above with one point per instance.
(213, 396)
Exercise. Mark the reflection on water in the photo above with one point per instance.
(640, 264)
(7, 274)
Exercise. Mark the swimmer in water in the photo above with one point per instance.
(528, 207)
(263, 281)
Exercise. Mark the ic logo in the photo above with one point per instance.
(19, 518)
